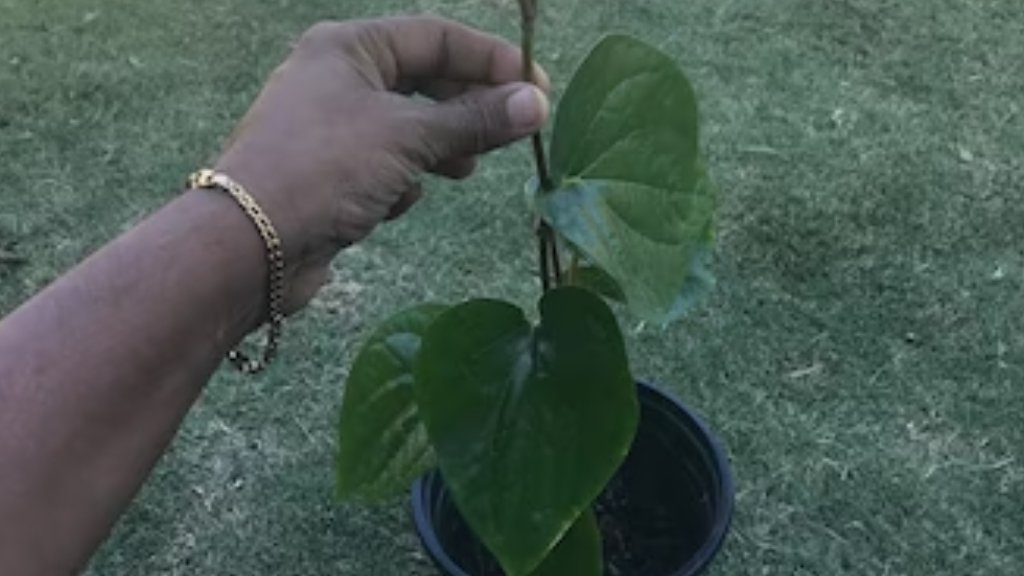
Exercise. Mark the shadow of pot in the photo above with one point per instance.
(665, 513)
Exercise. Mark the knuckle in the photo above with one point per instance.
(324, 36)
(318, 33)
(476, 124)
(374, 34)
(413, 138)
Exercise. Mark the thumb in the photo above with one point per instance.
(481, 120)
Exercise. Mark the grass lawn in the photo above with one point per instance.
(862, 357)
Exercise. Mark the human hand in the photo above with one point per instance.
(335, 143)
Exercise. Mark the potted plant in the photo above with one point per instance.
(542, 454)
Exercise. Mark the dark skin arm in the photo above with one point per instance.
(98, 370)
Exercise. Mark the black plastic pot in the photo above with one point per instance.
(665, 513)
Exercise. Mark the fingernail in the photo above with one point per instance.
(541, 78)
(527, 108)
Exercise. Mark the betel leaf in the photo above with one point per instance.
(596, 280)
(699, 279)
(528, 422)
(382, 445)
(631, 192)
(578, 553)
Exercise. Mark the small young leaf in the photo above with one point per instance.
(529, 423)
(578, 553)
(598, 281)
(382, 443)
(632, 194)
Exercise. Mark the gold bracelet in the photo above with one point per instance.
(210, 180)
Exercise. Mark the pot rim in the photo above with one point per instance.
(703, 556)
(723, 511)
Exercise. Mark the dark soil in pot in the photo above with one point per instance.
(665, 513)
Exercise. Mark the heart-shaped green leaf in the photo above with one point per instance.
(578, 553)
(528, 422)
(632, 194)
(596, 280)
(382, 443)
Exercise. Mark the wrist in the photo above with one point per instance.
(272, 188)
(232, 257)
(306, 223)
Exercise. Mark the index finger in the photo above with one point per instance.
(430, 48)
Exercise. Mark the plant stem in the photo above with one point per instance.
(545, 273)
(528, 9)
(556, 263)
(548, 246)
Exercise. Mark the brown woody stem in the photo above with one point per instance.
(529, 25)
(548, 249)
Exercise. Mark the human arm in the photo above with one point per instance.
(97, 371)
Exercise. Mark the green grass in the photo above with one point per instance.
(862, 357)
